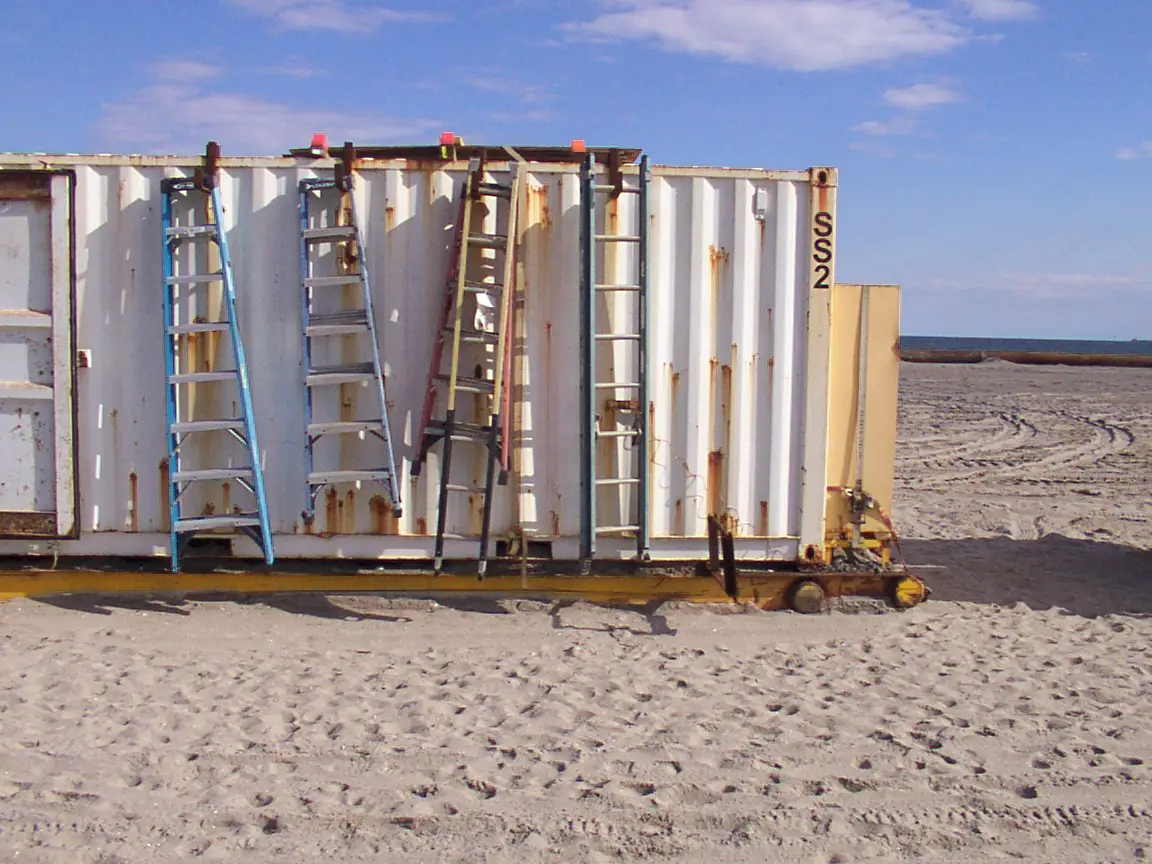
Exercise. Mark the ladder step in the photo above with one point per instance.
(208, 523)
(335, 323)
(497, 190)
(195, 279)
(623, 385)
(202, 377)
(457, 537)
(199, 327)
(618, 238)
(467, 335)
(23, 319)
(617, 337)
(336, 232)
(316, 184)
(471, 490)
(344, 427)
(210, 474)
(236, 425)
(616, 529)
(627, 190)
(460, 431)
(193, 232)
(471, 385)
(345, 374)
(626, 433)
(619, 481)
(611, 287)
(488, 241)
(322, 478)
(332, 281)
(490, 287)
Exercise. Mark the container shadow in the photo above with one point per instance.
(1085, 577)
(103, 605)
(319, 606)
(657, 623)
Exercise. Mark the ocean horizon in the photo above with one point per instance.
(1057, 346)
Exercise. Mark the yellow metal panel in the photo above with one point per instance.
(880, 395)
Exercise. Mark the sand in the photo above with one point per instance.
(1008, 718)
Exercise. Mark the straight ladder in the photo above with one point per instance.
(337, 305)
(614, 415)
(199, 306)
(476, 318)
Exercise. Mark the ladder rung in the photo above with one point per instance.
(490, 287)
(471, 385)
(343, 427)
(199, 327)
(619, 481)
(322, 478)
(625, 433)
(332, 281)
(337, 232)
(498, 190)
(208, 425)
(208, 523)
(627, 190)
(210, 474)
(618, 238)
(195, 279)
(488, 241)
(611, 287)
(193, 232)
(332, 324)
(467, 335)
(336, 329)
(468, 431)
(342, 374)
(456, 537)
(616, 529)
(624, 385)
(617, 337)
(24, 319)
(202, 377)
(471, 490)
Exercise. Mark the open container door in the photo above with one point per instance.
(37, 411)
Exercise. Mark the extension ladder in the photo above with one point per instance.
(470, 296)
(337, 302)
(614, 417)
(194, 317)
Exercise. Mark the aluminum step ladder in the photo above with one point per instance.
(337, 304)
(476, 316)
(199, 306)
(614, 416)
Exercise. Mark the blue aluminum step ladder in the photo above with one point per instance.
(332, 267)
(614, 410)
(192, 219)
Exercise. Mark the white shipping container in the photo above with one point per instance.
(740, 287)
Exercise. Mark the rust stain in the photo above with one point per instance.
(226, 488)
(209, 509)
(27, 524)
(762, 525)
(421, 525)
(331, 512)
(384, 520)
(165, 514)
(715, 473)
(678, 519)
(348, 517)
(133, 503)
(389, 218)
(555, 524)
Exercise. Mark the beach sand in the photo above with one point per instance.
(1010, 717)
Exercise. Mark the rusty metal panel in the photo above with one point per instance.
(37, 488)
(730, 353)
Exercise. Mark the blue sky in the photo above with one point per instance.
(995, 155)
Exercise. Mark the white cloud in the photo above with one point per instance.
(803, 35)
(175, 69)
(1143, 150)
(902, 124)
(920, 96)
(1001, 10)
(505, 86)
(331, 15)
(179, 117)
(294, 69)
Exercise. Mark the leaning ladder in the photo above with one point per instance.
(187, 331)
(614, 410)
(328, 222)
(488, 304)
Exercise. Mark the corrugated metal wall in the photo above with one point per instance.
(729, 288)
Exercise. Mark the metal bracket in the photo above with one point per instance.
(205, 176)
(722, 542)
(476, 167)
(345, 167)
(615, 174)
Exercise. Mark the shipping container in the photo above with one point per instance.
(754, 362)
